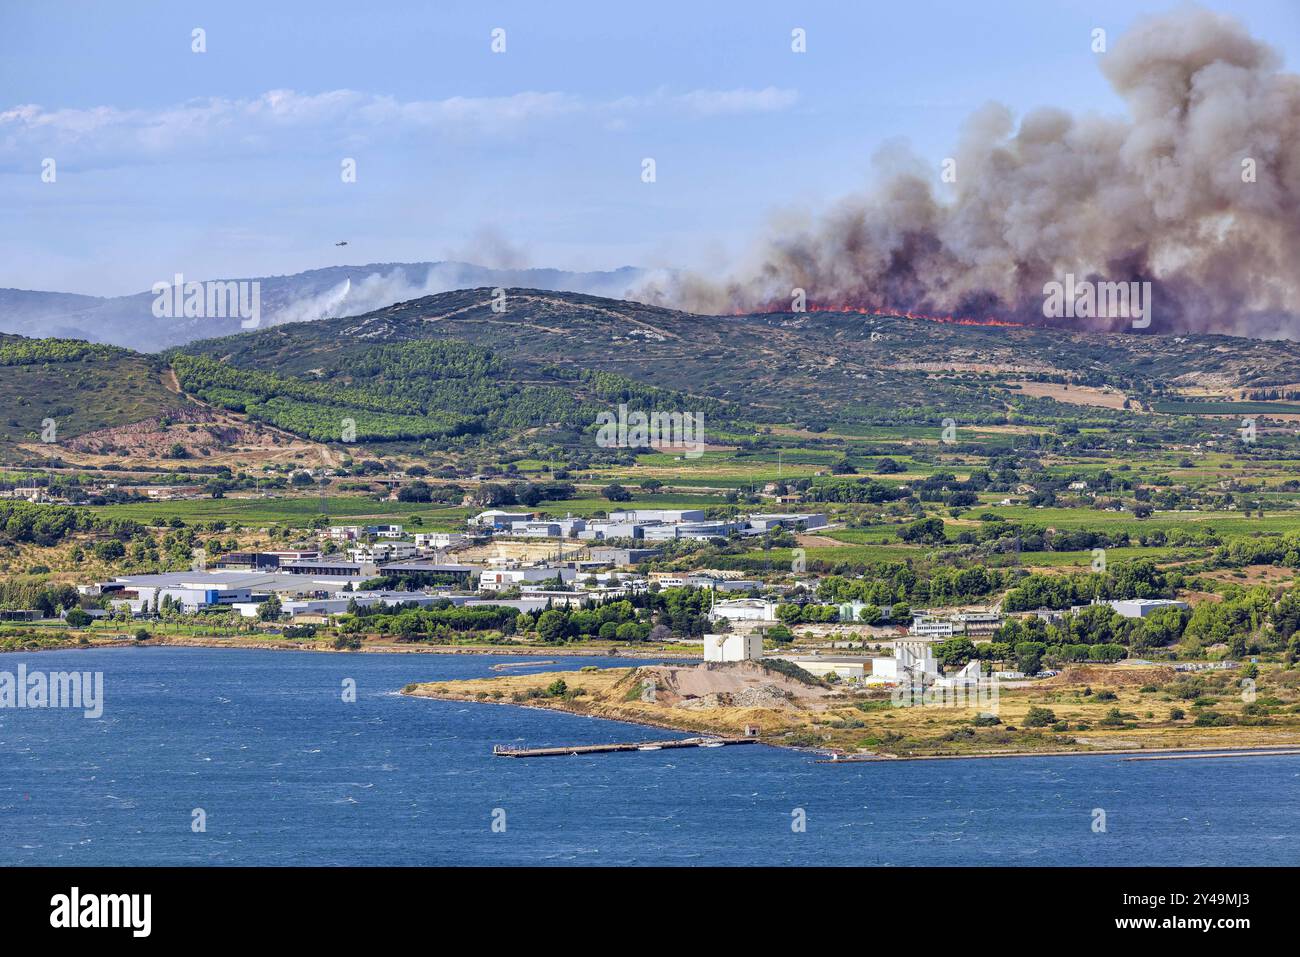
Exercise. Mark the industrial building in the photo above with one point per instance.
(733, 647)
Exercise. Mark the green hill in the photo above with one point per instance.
(81, 386)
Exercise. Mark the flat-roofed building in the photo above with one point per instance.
(733, 647)
(758, 524)
(625, 556)
(666, 515)
(744, 609)
(383, 552)
(322, 568)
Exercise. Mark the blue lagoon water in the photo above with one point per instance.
(288, 773)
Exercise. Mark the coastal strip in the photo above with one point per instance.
(1139, 754)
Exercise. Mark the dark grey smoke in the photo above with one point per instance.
(1158, 196)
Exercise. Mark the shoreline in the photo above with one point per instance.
(835, 732)
(1194, 751)
(413, 648)
(824, 755)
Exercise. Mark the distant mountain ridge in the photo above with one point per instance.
(315, 294)
(820, 367)
(469, 370)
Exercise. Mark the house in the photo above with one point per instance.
(384, 531)
(30, 494)
(163, 492)
(744, 609)
(505, 578)
(733, 647)
(438, 540)
(978, 623)
(495, 518)
(536, 529)
(930, 627)
(345, 533)
(1142, 607)
(759, 524)
(383, 552)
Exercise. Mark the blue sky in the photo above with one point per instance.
(227, 163)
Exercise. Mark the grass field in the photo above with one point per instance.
(350, 509)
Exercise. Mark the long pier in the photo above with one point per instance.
(508, 751)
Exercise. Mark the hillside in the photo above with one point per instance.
(447, 372)
(330, 291)
(81, 387)
(819, 369)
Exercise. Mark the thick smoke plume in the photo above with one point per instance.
(1166, 196)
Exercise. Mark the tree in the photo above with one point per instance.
(1039, 717)
(109, 550)
(270, 610)
(76, 618)
(417, 491)
(616, 493)
(927, 531)
(955, 651)
(789, 613)
(552, 625)
(780, 634)
(1029, 656)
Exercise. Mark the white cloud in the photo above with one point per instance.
(281, 118)
(713, 102)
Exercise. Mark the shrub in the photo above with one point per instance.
(1039, 717)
